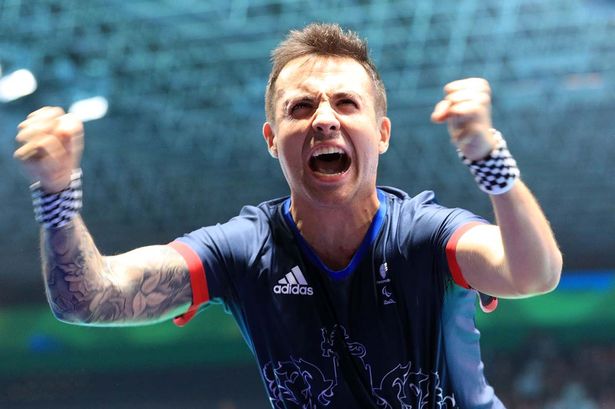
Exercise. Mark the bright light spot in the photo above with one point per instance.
(90, 109)
(16, 85)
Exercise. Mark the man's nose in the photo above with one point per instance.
(325, 121)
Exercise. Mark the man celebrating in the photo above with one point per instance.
(348, 294)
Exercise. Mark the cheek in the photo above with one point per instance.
(289, 150)
(368, 150)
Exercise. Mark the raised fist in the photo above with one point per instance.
(466, 107)
(51, 144)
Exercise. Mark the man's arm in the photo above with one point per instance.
(518, 257)
(142, 286)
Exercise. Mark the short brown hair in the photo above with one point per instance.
(323, 40)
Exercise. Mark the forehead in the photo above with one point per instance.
(323, 74)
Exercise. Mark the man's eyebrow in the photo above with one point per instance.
(301, 96)
(306, 95)
(348, 94)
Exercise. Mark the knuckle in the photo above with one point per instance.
(46, 112)
(70, 117)
(37, 112)
(55, 111)
(485, 84)
(72, 123)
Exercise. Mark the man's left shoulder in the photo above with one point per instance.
(405, 205)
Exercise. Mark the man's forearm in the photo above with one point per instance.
(85, 287)
(532, 256)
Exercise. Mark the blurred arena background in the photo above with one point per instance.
(180, 147)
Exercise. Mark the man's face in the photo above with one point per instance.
(326, 133)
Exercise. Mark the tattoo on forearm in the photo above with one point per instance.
(82, 285)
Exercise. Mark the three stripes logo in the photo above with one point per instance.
(293, 283)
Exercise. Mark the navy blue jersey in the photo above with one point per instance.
(391, 330)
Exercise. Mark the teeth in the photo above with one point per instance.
(326, 150)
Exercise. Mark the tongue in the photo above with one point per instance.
(329, 164)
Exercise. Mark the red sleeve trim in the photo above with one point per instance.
(451, 254)
(198, 281)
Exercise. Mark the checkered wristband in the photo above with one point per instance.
(54, 210)
(495, 174)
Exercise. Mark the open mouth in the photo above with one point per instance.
(329, 161)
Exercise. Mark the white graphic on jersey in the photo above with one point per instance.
(383, 270)
(293, 283)
(384, 290)
(387, 294)
(297, 383)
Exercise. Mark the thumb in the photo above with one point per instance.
(69, 126)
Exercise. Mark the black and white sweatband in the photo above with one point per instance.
(54, 210)
(496, 173)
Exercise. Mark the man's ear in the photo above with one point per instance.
(270, 139)
(385, 134)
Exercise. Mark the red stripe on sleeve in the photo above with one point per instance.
(451, 254)
(198, 281)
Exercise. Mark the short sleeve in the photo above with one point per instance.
(436, 229)
(443, 227)
(219, 256)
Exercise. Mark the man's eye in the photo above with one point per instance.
(300, 107)
(346, 102)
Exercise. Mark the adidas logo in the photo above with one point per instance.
(293, 283)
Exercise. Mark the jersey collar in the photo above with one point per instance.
(368, 240)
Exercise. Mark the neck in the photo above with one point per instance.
(335, 232)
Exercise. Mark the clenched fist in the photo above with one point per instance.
(51, 144)
(466, 107)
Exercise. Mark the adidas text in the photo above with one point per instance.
(295, 289)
